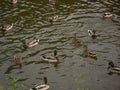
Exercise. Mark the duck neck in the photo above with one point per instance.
(75, 37)
(45, 80)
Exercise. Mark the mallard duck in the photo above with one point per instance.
(92, 33)
(52, 19)
(88, 53)
(112, 68)
(31, 44)
(52, 2)
(77, 41)
(13, 1)
(18, 60)
(51, 58)
(107, 15)
(41, 86)
(7, 28)
(92, 54)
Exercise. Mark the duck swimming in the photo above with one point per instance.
(52, 2)
(13, 1)
(52, 19)
(92, 34)
(107, 15)
(112, 68)
(51, 58)
(7, 27)
(18, 60)
(41, 86)
(88, 53)
(31, 44)
(76, 41)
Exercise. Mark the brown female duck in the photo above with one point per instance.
(18, 60)
(77, 41)
(88, 53)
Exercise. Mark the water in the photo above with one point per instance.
(75, 16)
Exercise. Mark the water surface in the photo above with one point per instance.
(75, 16)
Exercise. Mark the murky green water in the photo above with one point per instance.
(75, 16)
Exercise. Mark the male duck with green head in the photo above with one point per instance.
(41, 86)
(51, 58)
(30, 44)
(112, 68)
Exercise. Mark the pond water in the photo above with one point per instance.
(73, 70)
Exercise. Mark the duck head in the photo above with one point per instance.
(55, 52)
(94, 32)
(110, 64)
(23, 41)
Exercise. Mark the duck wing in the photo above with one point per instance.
(116, 68)
(9, 27)
(33, 42)
(48, 57)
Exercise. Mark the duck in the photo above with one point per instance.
(76, 41)
(112, 68)
(52, 19)
(13, 1)
(7, 28)
(31, 44)
(88, 53)
(18, 60)
(92, 54)
(41, 86)
(52, 59)
(92, 34)
(52, 2)
(107, 15)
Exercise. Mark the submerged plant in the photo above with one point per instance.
(14, 83)
(77, 79)
(83, 89)
(1, 88)
(24, 87)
